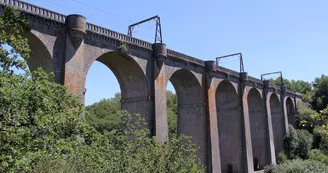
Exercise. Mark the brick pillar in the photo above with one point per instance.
(75, 34)
(266, 97)
(160, 82)
(246, 123)
(214, 153)
(283, 104)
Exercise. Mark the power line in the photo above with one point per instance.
(103, 11)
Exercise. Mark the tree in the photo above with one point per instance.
(103, 115)
(127, 149)
(299, 85)
(172, 112)
(320, 100)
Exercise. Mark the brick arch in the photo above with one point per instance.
(290, 108)
(230, 128)
(259, 129)
(278, 122)
(132, 80)
(191, 112)
(40, 56)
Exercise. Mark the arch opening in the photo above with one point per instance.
(259, 129)
(278, 123)
(191, 119)
(230, 128)
(291, 112)
(134, 95)
(40, 55)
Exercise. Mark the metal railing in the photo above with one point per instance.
(119, 36)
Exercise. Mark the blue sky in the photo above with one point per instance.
(289, 36)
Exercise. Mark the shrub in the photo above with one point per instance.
(304, 144)
(282, 158)
(126, 149)
(298, 143)
(298, 166)
(317, 155)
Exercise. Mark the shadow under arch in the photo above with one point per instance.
(191, 111)
(40, 55)
(133, 84)
(230, 128)
(290, 111)
(259, 129)
(278, 122)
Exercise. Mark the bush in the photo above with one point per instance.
(298, 166)
(298, 143)
(317, 155)
(323, 146)
(126, 149)
(316, 137)
(282, 158)
(305, 141)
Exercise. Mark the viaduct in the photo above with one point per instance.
(237, 121)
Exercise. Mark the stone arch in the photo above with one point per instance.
(278, 122)
(259, 129)
(191, 112)
(133, 83)
(40, 54)
(230, 128)
(290, 111)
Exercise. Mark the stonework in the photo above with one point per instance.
(238, 123)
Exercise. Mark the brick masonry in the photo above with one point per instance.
(236, 120)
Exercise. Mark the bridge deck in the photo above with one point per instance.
(51, 15)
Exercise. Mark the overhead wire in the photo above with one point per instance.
(128, 20)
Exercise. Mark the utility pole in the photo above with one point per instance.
(158, 32)
(231, 55)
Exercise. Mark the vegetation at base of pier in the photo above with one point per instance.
(103, 114)
(298, 166)
(43, 129)
(305, 148)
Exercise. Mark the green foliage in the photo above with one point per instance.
(320, 100)
(42, 128)
(172, 112)
(13, 37)
(298, 166)
(282, 157)
(36, 117)
(299, 85)
(104, 115)
(128, 149)
(307, 118)
(123, 47)
(298, 143)
(323, 146)
(317, 155)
